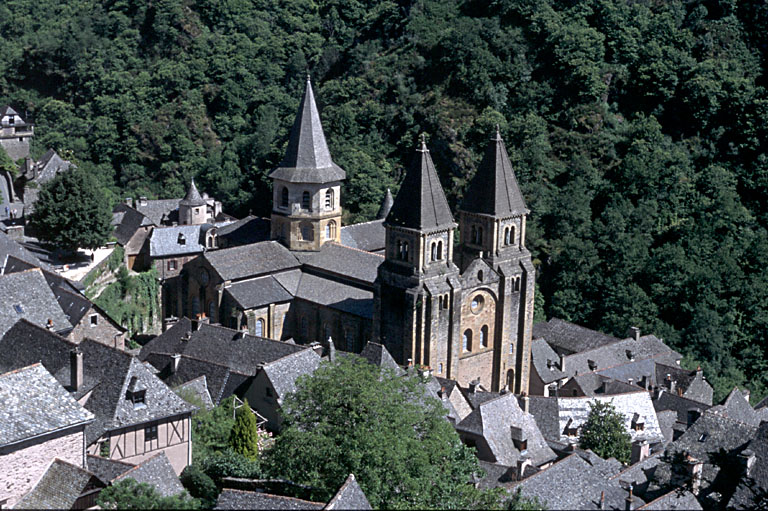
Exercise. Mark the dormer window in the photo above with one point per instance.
(182, 240)
(18, 308)
(11, 120)
(630, 355)
(592, 365)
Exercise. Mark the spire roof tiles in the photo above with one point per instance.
(494, 189)
(386, 206)
(421, 204)
(307, 159)
(193, 197)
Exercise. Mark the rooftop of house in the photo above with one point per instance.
(336, 295)
(349, 496)
(284, 372)
(198, 389)
(368, 236)
(49, 165)
(378, 355)
(752, 489)
(74, 305)
(159, 212)
(680, 405)
(258, 292)
(34, 403)
(339, 260)
(678, 499)
(567, 338)
(156, 471)
(106, 469)
(179, 239)
(736, 406)
(59, 487)
(27, 295)
(245, 231)
(246, 500)
(249, 261)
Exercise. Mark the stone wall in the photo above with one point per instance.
(478, 361)
(103, 330)
(23, 464)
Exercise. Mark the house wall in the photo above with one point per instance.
(136, 253)
(104, 331)
(130, 444)
(23, 464)
(266, 405)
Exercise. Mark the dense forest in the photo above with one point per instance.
(637, 129)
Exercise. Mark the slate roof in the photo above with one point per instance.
(159, 212)
(107, 470)
(593, 384)
(692, 382)
(59, 487)
(568, 338)
(198, 387)
(246, 231)
(7, 110)
(339, 260)
(9, 247)
(336, 295)
(368, 236)
(493, 419)
(284, 372)
(50, 165)
(192, 198)
(251, 260)
(349, 496)
(546, 362)
(241, 499)
(547, 413)
(378, 355)
(167, 241)
(307, 158)
(259, 292)
(421, 204)
(494, 189)
(386, 206)
(74, 305)
(27, 343)
(674, 500)
(680, 405)
(156, 471)
(127, 221)
(26, 295)
(737, 407)
(33, 403)
(752, 490)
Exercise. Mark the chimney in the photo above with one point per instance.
(746, 394)
(49, 324)
(562, 363)
(526, 402)
(630, 500)
(331, 350)
(142, 201)
(694, 468)
(640, 451)
(187, 335)
(747, 461)
(240, 334)
(634, 333)
(76, 369)
(128, 201)
(175, 359)
(645, 382)
(602, 500)
(473, 386)
(672, 387)
(443, 394)
(522, 463)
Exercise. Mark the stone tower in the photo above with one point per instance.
(418, 281)
(193, 207)
(492, 219)
(15, 133)
(306, 200)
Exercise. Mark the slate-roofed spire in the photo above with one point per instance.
(494, 190)
(307, 159)
(193, 197)
(386, 206)
(421, 204)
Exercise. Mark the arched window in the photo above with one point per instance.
(331, 230)
(259, 328)
(466, 341)
(474, 234)
(479, 235)
(439, 250)
(434, 251)
(329, 199)
(305, 230)
(284, 198)
(484, 337)
(405, 251)
(507, 238)
(512, 235)
(440, 368)
(306, 201)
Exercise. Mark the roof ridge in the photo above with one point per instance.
(38, 327)
(351, 248)
(307, 348)
(139, 465)
(271, 495)
(14, 371)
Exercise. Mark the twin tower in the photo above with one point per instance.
(464, 309)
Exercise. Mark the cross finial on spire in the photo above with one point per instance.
(498, 132)
(423, 138)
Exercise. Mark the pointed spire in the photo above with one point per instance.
(386, 206)
(494, 189)
(307, 158)
(193, 197)
(421, 204)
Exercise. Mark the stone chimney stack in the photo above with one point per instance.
(473, 386)
(76, 369)
(640, 451)
(331, 350)
(562, 363)
(694, 468)
(49, 324)
(522, 463)
(526, 402)
(175, 359)
(634, 333)
(630, 500)
(747, 461)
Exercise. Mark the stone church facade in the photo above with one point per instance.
(463, 309)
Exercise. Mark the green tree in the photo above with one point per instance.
(199, 485)
(244, 438)
(350, 417)
(7, 164)
(129, 494)
(72, 212)
(604, 432)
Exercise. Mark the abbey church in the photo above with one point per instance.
(462, 307)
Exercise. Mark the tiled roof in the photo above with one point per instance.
(679, 499)
(421, 204)
(494, 189)
(251, 260)
(198, 388)
(493, 419)
(159, 212)
(680, 405)
(336, 295)
(368, 236)
(736, 406)
(284, 372)
(307, 158)
(546, 362)
(59, 488)
(177, 240)
(26, 295)
(249, 230)
(568, 338)
(346, 262)
(32, 403)
(107, 469)
(259, 292)
(378, 355)
(241, 499)
(349, 496)
(156, 471)
(127, 221)
(192, 198)
(49, 166)
(752, 490)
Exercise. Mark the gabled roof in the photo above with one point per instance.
(33, 403)
(177, 240)
(546, 362)
(494, 189)
(193, 197)
(246, 231)
(198, 388)
(349, 496)
(736, 406)
(127, 221)
(368, 236)
(378, 355)
(752, 490)
(251, 260)
(339, 260)
(27, 295)
(10, 247)
(421, 204)
(246, 500)
(567, 338)
(26, 343)
(284, 372)
(156, 471)
(60, 487)
(7, 110)
(307, 158)
(74, 305)
(159, 212)
(258, 292)
(335, 294)
(50, 165)
(386, 206)
(107, 469)
(676, 499)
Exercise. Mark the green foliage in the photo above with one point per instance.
(211, 429)
(200, 486)
(128, 494)
(7, 164)
(228, 463)
(72, 212)
(381, 428)
(604, 432)
(132, 300)
(520, 503)
(244, 438)
(111, 263)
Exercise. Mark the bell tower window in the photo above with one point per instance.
(329, 199)
(284, 198)
(306, 201)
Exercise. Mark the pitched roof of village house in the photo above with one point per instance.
(27, 295)
(59, 487)
(568, 338)
(251, 260)
(159, 211)
(156, 471)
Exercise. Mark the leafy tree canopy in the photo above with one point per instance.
(348, 417)
(129, 494)
(604, 432)
(244, 438)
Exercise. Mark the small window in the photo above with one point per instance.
(484, 337)
(11, 120)
(477, 304)
(284, 197)
(329, 199)
(18, 308)
(440, 368)
(703, 437)
(94, 319)
(306, 201)
(511, 348)
(259, 328)
(172, 265)
(268, 392)
(466, 344)
(434, 251)
(439, 250)
(182, 240)
(150, 433)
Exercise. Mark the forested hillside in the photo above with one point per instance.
(637, 129)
